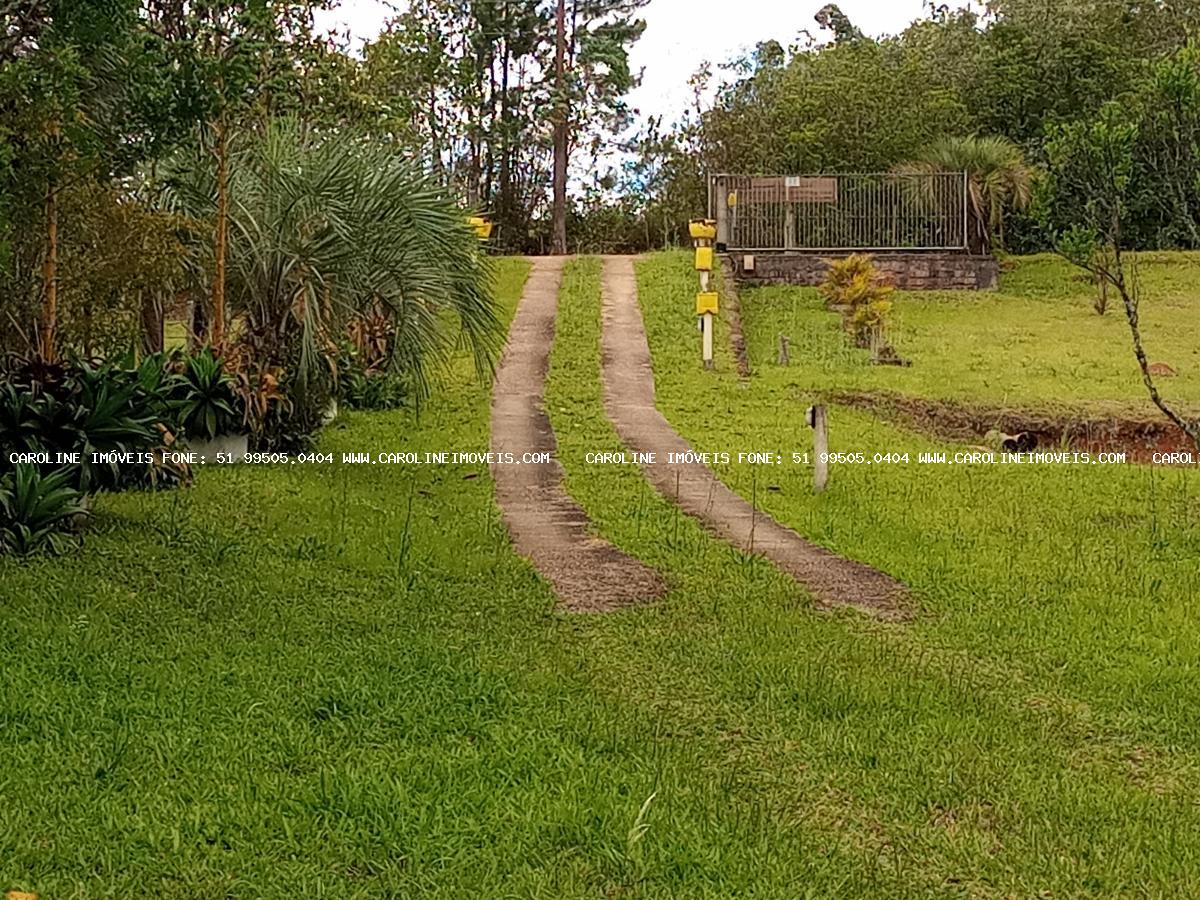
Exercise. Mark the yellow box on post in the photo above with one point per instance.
(482, 226)
(704, 259)
(702, 229)
(706, 302)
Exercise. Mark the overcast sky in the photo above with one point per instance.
(682, 33)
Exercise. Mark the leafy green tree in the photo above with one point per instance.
(861, 105)
(85, 95)
(1020, 71)
(1092, 173)
(228, 38)
(247, 57)
(1167, 155)
(592, 75)
(831, 18)
(1160, 186)
(463, 84)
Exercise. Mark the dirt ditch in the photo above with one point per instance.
(1138, 439)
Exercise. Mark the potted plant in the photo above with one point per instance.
(206, 407)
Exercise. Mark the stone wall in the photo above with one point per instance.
(909, 271)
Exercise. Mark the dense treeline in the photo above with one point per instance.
(217, 164)
(1037, 72)
(113, 110)
(101, 100)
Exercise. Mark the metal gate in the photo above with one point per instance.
(846, 212)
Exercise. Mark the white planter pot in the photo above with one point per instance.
(234, 446)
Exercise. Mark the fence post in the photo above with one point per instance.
(966, 215)
(818, 421)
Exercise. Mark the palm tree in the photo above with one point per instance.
(326, 228)
(998, 179)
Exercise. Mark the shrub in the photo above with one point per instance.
(855, 287)
(366, 378)
(205, 401)
(115, 416)
(333, 228)
(372, 390)
(86, 408)
(89, 407)
(38, 511)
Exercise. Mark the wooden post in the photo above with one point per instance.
(820, 426)
(785, 350)
(152, 323)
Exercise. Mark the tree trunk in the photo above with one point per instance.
(220, 243)
(489, 160)
(475, 130)
(152, 323)
(504, 199)
(435, 147)
(1190, 427)
(559, 213)
(49, 336)
(197, 324)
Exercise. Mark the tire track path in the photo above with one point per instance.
(547, 527)
(629, 402)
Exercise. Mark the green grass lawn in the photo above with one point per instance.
(1081, 575)
(340, 681)
(1036, 343)
(1031, 731)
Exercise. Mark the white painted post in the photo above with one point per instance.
(703, 232)
(820, 426)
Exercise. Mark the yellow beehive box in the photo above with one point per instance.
(704, 259)
(702, 229)
(483, 228)
(706, 302)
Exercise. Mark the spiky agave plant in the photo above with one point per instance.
(998, 179)
(327, 227)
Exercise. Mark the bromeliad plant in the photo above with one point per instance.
(38, 511)
(86, 408)
(115, 408)
(855, 288)
(90, 408)
(204, 398)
